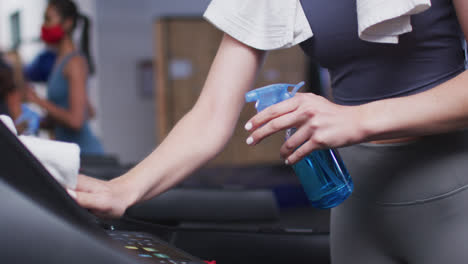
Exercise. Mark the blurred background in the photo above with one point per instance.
(122, 38)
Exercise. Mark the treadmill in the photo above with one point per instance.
(40, 222)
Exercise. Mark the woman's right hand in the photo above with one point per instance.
(106, 199)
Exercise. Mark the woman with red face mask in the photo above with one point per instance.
(67, 103)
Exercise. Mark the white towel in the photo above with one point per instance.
(384, 20)
(9, 123)
(277, 24)
(61, 159)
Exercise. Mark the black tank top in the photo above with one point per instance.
(363, 71)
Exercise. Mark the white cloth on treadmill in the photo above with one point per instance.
(9, 123)
(61, 159)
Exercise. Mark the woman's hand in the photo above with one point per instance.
(319, 123)
(106, 199)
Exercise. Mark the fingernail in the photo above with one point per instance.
(249, 140)
(71, 193)
(286, 162)
(248, 126)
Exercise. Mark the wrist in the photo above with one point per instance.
(126, 192)
(368, 126)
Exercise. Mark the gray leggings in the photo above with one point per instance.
(410, 203)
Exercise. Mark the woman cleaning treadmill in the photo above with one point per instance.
(399, 116)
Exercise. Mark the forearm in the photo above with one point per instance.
(190, 144)
(61, 115)
(441, 109)
(195, 139)
(203, 132)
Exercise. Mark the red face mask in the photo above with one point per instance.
(52, 35)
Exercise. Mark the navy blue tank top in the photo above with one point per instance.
(58, 93)
(363, 71)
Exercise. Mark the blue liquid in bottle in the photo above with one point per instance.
(324, 177)
(322, 173)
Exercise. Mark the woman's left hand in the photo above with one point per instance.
(319, 123)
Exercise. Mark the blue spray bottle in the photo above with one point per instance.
(322, 173)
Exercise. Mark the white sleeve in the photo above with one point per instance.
(261, 24)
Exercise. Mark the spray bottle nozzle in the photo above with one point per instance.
(296, 88)
(271, 94)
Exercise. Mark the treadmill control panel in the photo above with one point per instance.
(146, 246)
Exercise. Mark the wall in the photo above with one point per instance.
(125, 31)
(31, 13)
